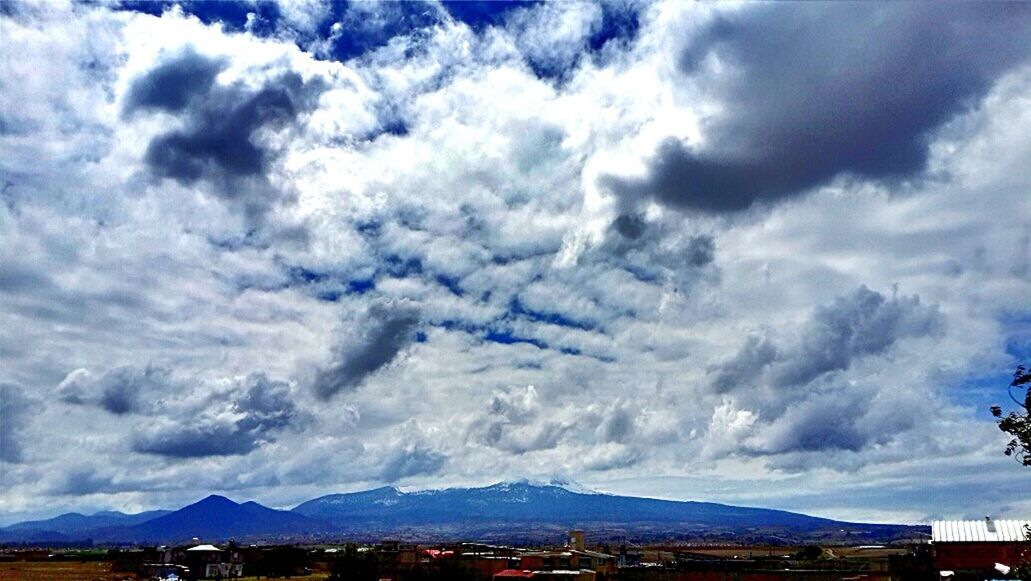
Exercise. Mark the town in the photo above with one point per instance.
(962, 550)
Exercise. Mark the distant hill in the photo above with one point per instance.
(510, 512)
(216, 518)
(74, 522)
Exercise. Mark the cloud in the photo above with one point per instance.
(411, 460)
(17, 409)
(827, 423)
(618, 423)
(413, 451)
(181, 419)
(173, 84)
(227, 423)
(745, 366)
(120, 391)
(512, 423)
(81, 480)
(856, 325)
(793, 399)
(382, 336)
(554, 36)
(265, 404)
(219, 141)
(701, 250)
(809, 93)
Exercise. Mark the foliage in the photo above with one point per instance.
(1018, 423)
(809, 553)
(1023, 571)
(354, 565)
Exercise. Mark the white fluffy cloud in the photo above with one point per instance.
(412, 266)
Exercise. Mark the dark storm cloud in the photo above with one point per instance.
(16, 410)
(257, 410)
(630, 233)
(516, 439)
(701, 250)
(828, 423)
(800, 404)
(745, 367)
(84, 480)
(216, 142)
(822, 90)
(266, 404)
(120, 391)
(618, 425)
(195, 441)
(835, 418)
(387, 334)
(860, 324)
(630, 226)
(411, 461)
(171, 85)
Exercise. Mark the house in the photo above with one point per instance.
(211, 562)
(979, 549)
(485, 560)
(552, 575)
(570, 559)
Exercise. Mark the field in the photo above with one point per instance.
(84, 571)
(58, 571)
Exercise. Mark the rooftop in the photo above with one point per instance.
(979, 531)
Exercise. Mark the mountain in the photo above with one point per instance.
(217, 518)
(528, 512)
(72, 526)
(74, 522)
(513, 512)
(523, 502)
(214, 518)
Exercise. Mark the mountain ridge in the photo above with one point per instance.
(517, 510)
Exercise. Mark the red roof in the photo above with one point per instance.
(437, 553)
(514, 573)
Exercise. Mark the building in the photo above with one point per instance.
(396, 559)
(487, 560)
(553, 575)
(211, 562)
(979, 549)
(604, 565)
(575, 558)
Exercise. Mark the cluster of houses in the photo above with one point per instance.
(972, 550)
(573, 562)
(207, 561)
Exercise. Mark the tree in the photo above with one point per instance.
(1023, 570)
(354, 565)
(1018, 423)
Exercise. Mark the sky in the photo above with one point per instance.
(774, 255)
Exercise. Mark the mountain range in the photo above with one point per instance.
(511, 512)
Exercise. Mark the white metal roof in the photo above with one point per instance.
(204, 548)
(977, 531)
